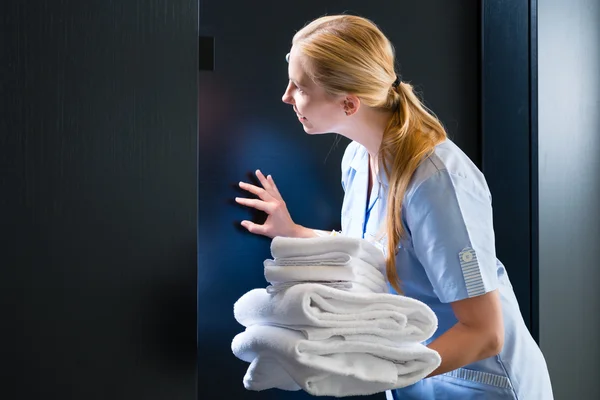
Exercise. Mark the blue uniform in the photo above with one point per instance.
(448, 255)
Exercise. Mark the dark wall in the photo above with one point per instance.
(98, 199)
(243, 125)
(569, 194)
(509, 147)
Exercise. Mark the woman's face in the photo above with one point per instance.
(318, 111)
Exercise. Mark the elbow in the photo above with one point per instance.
(494, 343)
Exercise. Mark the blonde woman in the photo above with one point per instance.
(410, 188)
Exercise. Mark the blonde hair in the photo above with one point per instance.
(349, 54)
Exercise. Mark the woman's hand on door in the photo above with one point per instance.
(279, 222)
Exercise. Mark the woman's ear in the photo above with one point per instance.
(351, 104)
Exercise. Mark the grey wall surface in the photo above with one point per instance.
(98, 127)
(569, 194)
(243, 125)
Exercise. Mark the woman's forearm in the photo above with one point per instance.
(462, 345)
(303, 232)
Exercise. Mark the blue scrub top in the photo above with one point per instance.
(448, 255)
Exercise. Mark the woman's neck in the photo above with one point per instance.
(366, 127)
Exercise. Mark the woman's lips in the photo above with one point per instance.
(300, 117)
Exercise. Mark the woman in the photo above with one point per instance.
(412, 191)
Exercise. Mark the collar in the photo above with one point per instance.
(360, 163)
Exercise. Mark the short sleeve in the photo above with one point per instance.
(449, 218)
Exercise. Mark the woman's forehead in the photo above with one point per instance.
(296, 69)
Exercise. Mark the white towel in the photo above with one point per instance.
(284, 247)
(332, 367)
(358, 285)
(322, 312)
(335, 258)
(326, 267)
(265, 373)
(353, 287)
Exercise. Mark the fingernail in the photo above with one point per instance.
(258, 171)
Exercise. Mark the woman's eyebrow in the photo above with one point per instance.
(297, 83)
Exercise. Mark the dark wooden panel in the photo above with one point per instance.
(98, 199)
(507, 141)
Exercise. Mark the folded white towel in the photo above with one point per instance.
(284, 247)
(332, 367)
(353, 287)
(327, 267)
(321, 312)
(335, 258)
(265, 373)
(358, 285)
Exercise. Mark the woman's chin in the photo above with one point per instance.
(311, 130)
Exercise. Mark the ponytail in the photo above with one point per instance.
(410, 137)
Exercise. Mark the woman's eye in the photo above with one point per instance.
(297, 88)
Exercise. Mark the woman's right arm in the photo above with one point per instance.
(279, 222)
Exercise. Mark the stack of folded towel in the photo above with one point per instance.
(325, 325)
(354, 265)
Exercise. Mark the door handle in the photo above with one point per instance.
(206, 53)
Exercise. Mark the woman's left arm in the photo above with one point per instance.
(450, 220)
(478, 334)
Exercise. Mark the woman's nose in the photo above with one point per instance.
(287, 97)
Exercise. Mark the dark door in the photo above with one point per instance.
(98, 199)
(244, 126)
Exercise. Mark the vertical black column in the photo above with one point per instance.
(98, 146)
(509, 142)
